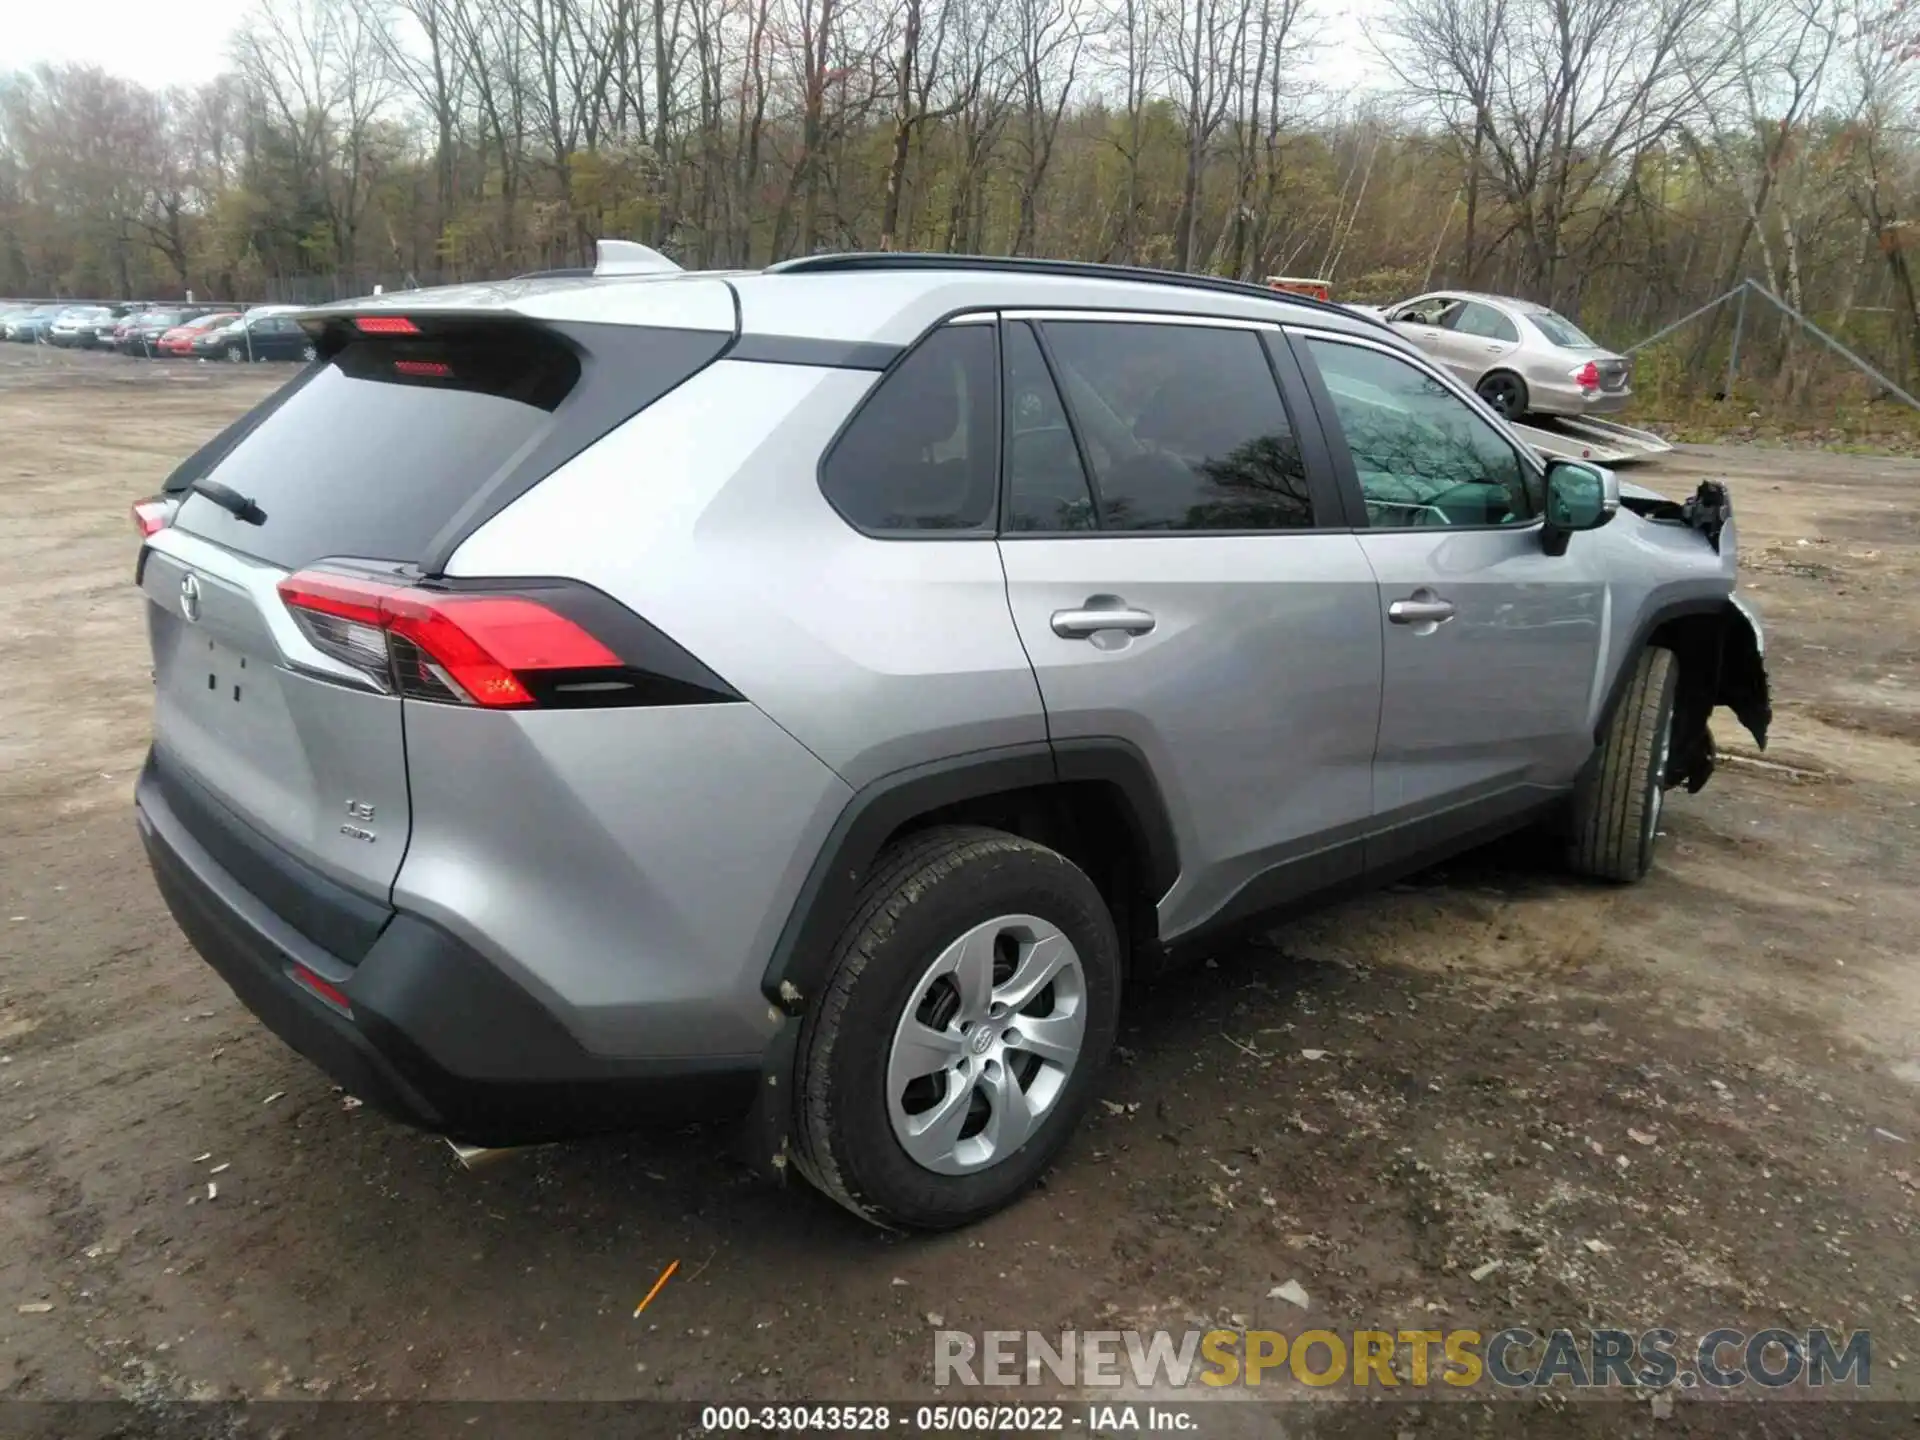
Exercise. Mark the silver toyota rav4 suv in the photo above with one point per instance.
(814, 696)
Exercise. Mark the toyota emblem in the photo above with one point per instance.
(190, 596)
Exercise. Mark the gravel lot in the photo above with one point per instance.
(1715, 1074)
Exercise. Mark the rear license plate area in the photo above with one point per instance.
(213, 675)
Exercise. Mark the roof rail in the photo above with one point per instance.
(571, 272)
(862, 260)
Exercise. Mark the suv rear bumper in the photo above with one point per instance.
(437, 1036)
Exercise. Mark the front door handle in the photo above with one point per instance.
(1422, 607)
(1084, 624)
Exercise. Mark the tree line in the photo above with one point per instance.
(1622, 160)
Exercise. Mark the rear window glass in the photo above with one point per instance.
(373, 452)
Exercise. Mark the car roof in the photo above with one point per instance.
(862, 298)
(1511, 302)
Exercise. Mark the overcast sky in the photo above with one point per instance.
(159, 42)
(181, 42)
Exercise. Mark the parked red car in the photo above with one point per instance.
(179, 340)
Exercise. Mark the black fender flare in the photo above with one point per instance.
(797, 967)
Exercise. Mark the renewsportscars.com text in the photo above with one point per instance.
(1514, 1358)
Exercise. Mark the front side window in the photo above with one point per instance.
(1437, 310)
(1183, 426)
(922, 453)
(1422, 455)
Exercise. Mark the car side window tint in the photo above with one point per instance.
(1423, 455)
(922, 452)
(1046, 483)
(1486, 323)
(1183, 425)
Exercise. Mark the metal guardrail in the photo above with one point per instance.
(1739, 295)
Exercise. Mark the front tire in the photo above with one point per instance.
(1616, 809)
(972, 1004)
(235, 354)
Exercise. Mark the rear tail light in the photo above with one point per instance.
(152, 516)
(494, 649)
(1587, 377)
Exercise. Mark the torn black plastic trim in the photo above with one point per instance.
(1721, 658)
(1744, 687)
(1707, 510)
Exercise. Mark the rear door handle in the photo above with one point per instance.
(1422, 608)
(1084, 624)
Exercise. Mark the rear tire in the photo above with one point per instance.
(909, 1008)
(1506, 392)
(1616, 809)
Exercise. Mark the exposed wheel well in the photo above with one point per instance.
(1092, 824)
(1696, 642)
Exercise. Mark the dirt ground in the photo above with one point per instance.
(1715, 1074)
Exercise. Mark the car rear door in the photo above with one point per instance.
(1491, 646)
(1183, 582)
(1483, 339)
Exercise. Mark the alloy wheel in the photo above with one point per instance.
(1502, 392)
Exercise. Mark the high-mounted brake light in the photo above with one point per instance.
(152, 516)
(425, 369)
(385, 325)
(1587, 377)
(461, 648)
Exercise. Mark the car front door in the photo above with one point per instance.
(1491, 645)
(1183, 579)
(1428, 324)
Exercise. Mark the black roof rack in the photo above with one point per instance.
(863, 260)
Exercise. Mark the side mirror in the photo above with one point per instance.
(1579, 497)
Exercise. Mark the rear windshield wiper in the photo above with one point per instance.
(230, 500)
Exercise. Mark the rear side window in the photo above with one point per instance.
(373, 452)
(922, 452)
(1486, 323)
(1046, 483)
(1183, 425)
